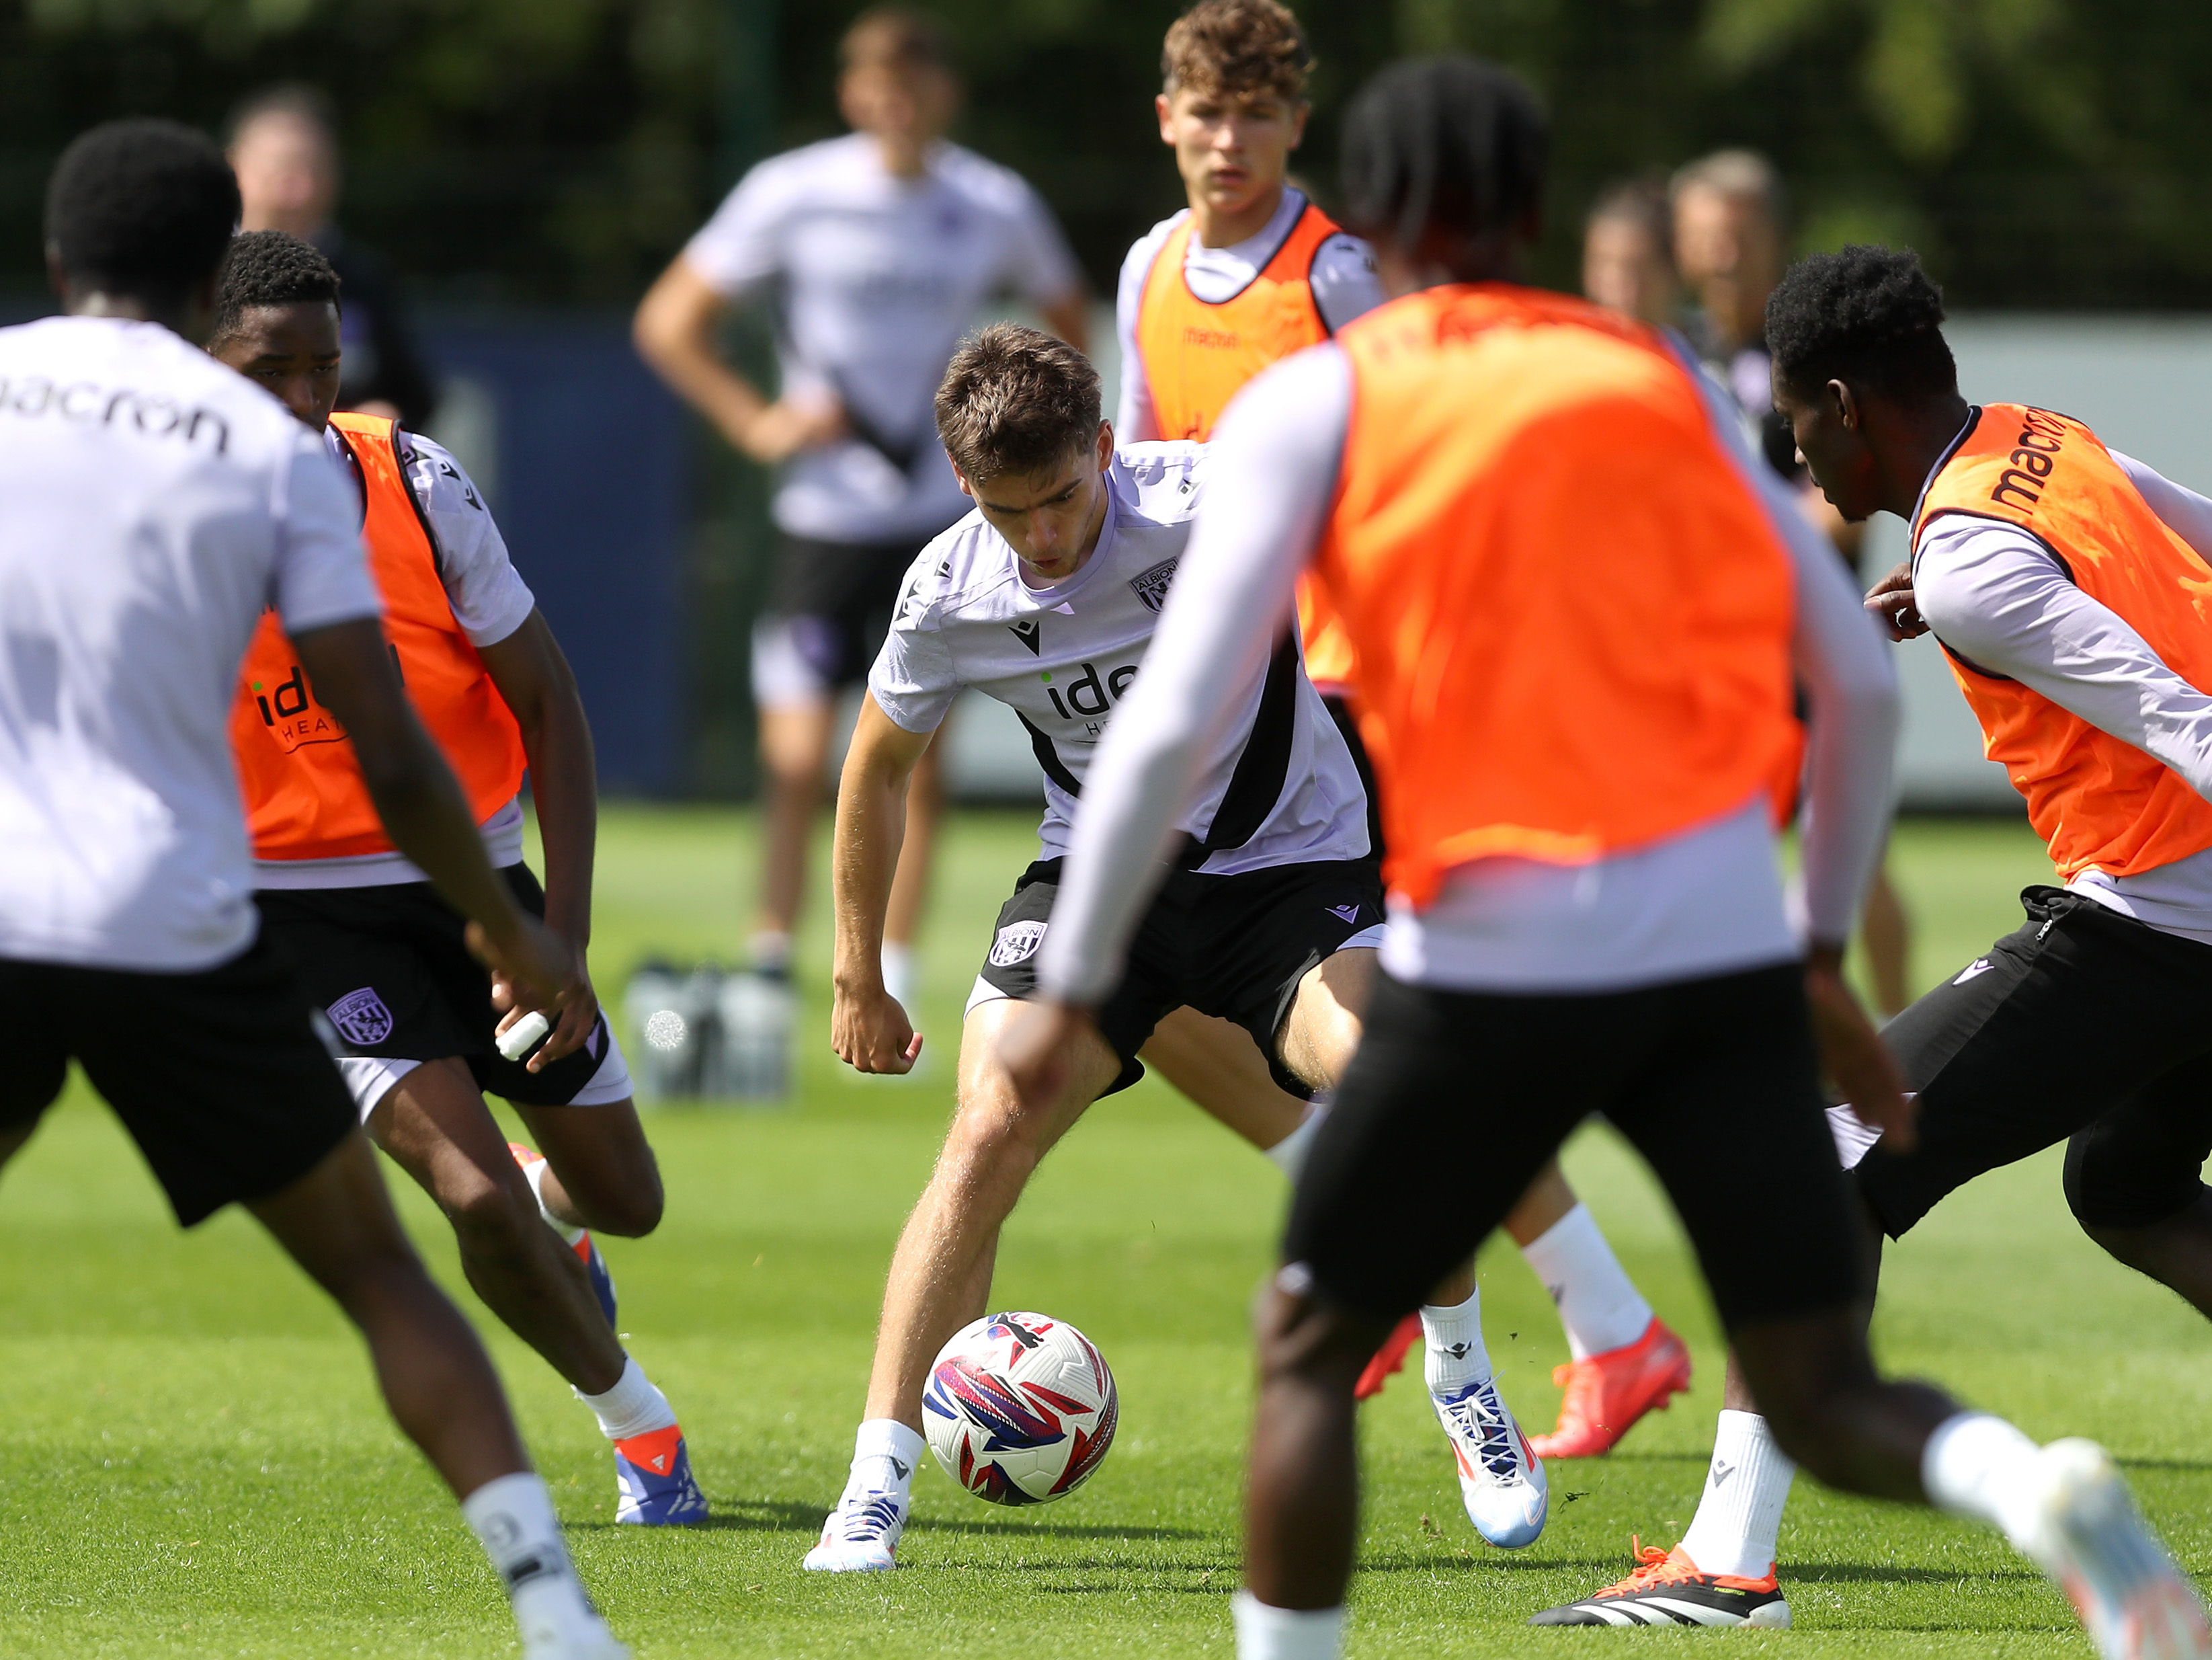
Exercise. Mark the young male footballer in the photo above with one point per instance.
(379, 949)
(1248, 272)
(1045, 597)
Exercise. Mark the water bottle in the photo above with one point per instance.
(664, 1016)
(756, 1013)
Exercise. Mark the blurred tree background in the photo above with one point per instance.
(2042, 153)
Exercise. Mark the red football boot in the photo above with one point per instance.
(1390, 1359)
(1607, 1393)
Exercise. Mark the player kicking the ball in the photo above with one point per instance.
(2067, 586)
(156, 505)
(1250, 271)
(1045, 598)
(381, 952)
(1581, 703)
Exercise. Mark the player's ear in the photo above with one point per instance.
(1845, 403)
(1299, 111)
(966, 488)
(1163, 106)
(1105, 445)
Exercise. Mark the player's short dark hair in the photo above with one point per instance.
(294, 99)
(1236, 47)
(141, 207)
(1451, 144)
(271, 268)
(902, 39)
(1867, 316)
(1015, 400)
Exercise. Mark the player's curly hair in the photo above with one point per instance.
(1868, 316)
(1015, 400)
(271, 268)
(1236, 47)
(1453, 145)
(141, 207)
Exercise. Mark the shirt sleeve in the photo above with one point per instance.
(912, 679)
(1135, 422)
(489, 599)
(1851, 687)
(1995, 597)
(1038, 262)
(2182, 511)
(741, 249)
(1344, 283)
(320, 574)
(1274, 466)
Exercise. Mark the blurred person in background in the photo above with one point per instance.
(877, 250)
(284, 149)
(1730, 212)
(1628, 252)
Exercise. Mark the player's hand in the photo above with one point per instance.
(1858, 1063)
(870, 1033)
(1037, 1046)
(1891, 600)
(780, 430)
(532, 966)
(570, 1031)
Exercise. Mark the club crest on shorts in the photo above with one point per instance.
(1016, 943)
(361, 1018)
(1150, 584)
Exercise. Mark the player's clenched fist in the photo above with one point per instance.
(870, 1033)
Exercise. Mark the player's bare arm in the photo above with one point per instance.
(533, 677)
(868, 1028)
(674, 330)
(425, 813)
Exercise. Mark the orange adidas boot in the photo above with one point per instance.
(1670, 1589)
(1389, 1360)
(1607, 1393)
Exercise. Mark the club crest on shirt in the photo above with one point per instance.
(1016, 943)
(1150, 584)
(362, 1018)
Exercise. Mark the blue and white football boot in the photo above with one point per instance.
(1501, 1481)
(861, 1536)
(654, 1481)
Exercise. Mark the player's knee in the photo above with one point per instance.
(488, 1214)
(628, 1211)
(1309, 1341)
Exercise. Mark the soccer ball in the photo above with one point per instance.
(1020, 1409)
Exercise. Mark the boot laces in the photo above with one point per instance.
(1657, 1568)
(1481, 1416)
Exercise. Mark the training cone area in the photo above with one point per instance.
(195, 1462)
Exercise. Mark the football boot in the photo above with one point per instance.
(1668, 1589)
(1607, 1393)
(1501, 1481)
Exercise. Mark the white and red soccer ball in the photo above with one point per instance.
(1019, 1409)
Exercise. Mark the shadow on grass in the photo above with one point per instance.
(783, 1516)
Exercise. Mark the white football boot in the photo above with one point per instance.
(2090, 1538)
(1501, 1481)
(861, 1536)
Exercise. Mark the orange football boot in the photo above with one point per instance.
(1607, 1393)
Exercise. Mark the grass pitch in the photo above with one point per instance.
(194, 1462)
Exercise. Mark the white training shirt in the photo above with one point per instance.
(489, 600)
(1993, 593)
(153, 504)
(875, 277)
(1064, 658)
(1707, 900)
(1345, 286)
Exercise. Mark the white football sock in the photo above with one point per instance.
(1740, 1512)
(885, 1454)
(1599, 1304)
(902, 974)
(1980, 1465)
(534, 1173)
(1290, 1153)
(769, 952)
(1270, 1634)
(1454, 1356)
(513, 1518)
(632, 1407)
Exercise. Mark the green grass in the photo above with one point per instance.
(194, 1462)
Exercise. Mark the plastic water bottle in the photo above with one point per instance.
(665, 1017)
(756, 1013)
